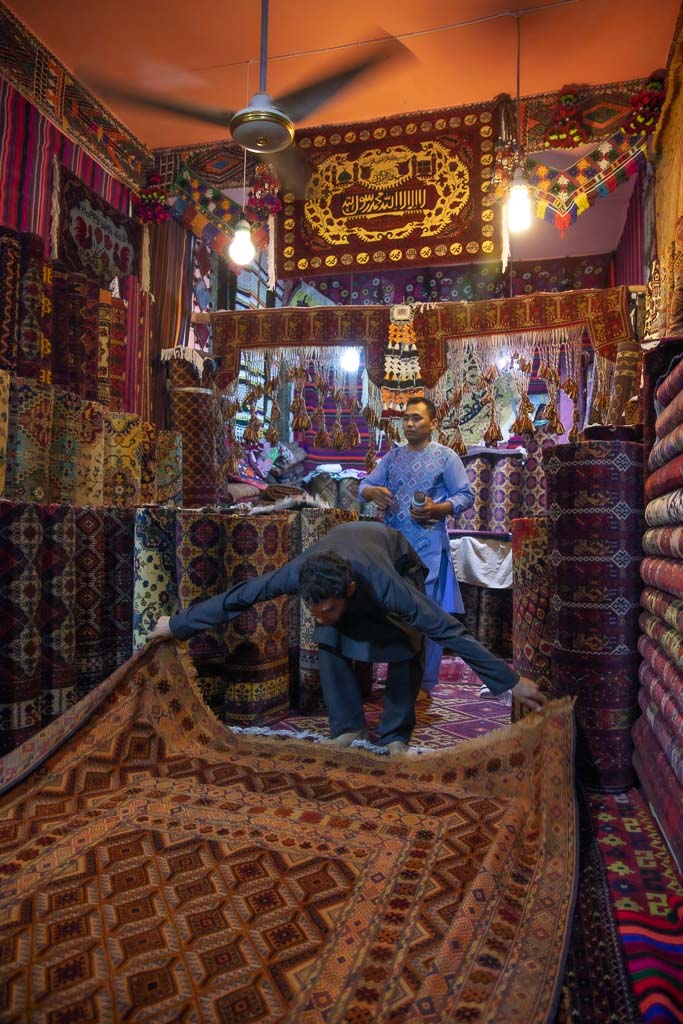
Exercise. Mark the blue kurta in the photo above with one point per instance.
(439, 472)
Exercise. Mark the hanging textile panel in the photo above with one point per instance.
(117, 355)
(155, 587)
(56, 609)
(89, 486)
(171, 250)
(10, 262)
(53, 92)
(408, 189)
(257, 642)
(602, 312)
(209, 213)
(193, 415)
(34, 328)
(94, 238)
(201, 571)
(117, 592)
(532, 626)
(148, 464)
(4, 425)
(169, 467)
(595, 520)
(20, 634)
(314, 524)
(122, 459)
(292, 819)
(103, 342)
(28, 440)
(63, 456)
(91, 617)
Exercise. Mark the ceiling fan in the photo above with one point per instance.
(266, 125)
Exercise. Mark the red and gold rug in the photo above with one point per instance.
(156, 867)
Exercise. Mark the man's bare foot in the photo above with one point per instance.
(345, 739)
(397, 747)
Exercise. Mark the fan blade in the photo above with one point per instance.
(304, 101)
(292, 170)
(154, 101)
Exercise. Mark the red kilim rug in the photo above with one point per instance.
(156, 867)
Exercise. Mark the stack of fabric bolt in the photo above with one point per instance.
(658, 734)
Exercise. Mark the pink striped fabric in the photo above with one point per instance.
(28, 143)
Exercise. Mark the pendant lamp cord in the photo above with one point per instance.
(519, 64)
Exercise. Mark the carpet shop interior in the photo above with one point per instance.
(210, 325)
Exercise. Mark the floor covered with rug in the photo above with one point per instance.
(157, 867)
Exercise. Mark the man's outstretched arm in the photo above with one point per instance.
(400, 598)
(220, 609)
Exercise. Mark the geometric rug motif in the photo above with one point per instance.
(159, 868)
(647, 895)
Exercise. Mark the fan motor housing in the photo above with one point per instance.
(261, 127)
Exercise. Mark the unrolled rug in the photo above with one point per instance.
(183, 872)
(595, 526)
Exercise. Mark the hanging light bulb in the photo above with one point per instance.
(519, 204)
(350, 360)
(241, 250)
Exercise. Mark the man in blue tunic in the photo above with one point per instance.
(364, 585)
(436, 471)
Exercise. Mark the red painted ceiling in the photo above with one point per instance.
(208, 52)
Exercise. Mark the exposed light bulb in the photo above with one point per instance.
(519, 204)
(241, 250)
(350, 360)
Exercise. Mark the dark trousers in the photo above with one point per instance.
(344, 700)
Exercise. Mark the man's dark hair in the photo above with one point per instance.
(323, 576)
(427, 402)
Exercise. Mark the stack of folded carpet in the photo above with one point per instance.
(658, 734)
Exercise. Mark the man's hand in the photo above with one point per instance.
(380, 496)
(528, 694)
(427, 513)
(162, 630)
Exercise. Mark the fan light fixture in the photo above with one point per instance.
(519, 203)
(241, 250)
(518, 207)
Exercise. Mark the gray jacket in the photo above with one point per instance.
(386, 618)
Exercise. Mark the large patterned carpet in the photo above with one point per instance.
(156, 867)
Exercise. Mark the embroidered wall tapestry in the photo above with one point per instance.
(246, 877)
(404, 190)
(53, 90)
(93, 236)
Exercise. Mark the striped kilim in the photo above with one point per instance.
(156, 867)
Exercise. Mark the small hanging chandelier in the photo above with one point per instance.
(518, 206)
(241, 250)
